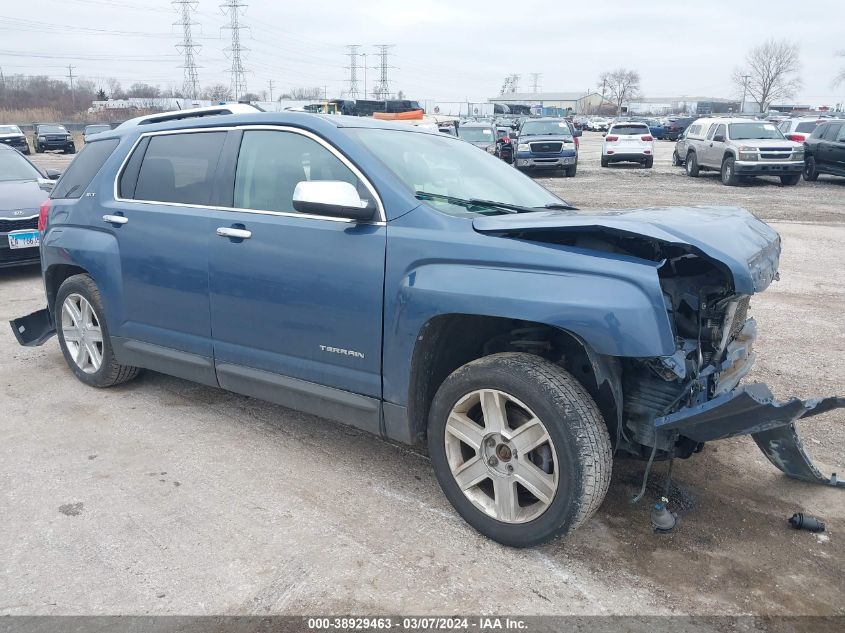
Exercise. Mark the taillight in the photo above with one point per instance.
(43, 212)
(647, 137)
(796, 137)
(611, 138)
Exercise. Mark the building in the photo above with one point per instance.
(552, 103)
(682, 105)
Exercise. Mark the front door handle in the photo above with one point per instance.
(241, 234)
(115, 219)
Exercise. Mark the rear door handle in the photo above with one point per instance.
(115, 219)
(226, 231)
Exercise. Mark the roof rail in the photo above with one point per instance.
(190, 113)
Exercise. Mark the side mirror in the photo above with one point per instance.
(719, 138)
(53, 174)
(577, 133)
(335, 198)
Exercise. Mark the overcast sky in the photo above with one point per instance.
(444, 49)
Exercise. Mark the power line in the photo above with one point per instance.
(238, 75)
(382, 89)
(352, 90)
(190, 82)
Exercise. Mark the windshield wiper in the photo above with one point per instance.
(560, 205)
(490, 204)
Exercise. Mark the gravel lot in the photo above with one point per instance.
(163, 496)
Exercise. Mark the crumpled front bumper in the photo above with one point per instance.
(752, 410)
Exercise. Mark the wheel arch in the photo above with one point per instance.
(55, 275)
(449, 341)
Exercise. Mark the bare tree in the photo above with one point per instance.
(304, 94)
(217, 92)
(770, 73)
(621, 85)
(115, 89)
(840, 76)
(143, 91)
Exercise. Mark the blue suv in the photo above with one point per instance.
(402, 282)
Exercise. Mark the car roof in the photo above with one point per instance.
(477, 124)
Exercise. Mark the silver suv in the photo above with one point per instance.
(739, 147)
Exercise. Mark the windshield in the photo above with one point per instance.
(545, 128)
(10, 129)
(94, 129)
(630, 129)
(13, 166)
(744, 131)
(51, 129)
(443, 165)
(476, 134)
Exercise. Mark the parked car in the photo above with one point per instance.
(547, 144)
(656, 128)
(481, 135)
(12, 136)
(739, 148)
(94, 128)
(23, 189)
(49, 136)
(599, 124)
(628, 143)
(798, 129)
(403, 282)
(676, 125)
(679, 154)
(824, 150)
(505, 143)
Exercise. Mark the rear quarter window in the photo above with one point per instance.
(84, 167)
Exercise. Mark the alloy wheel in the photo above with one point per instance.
(501, 456)
(82, 333)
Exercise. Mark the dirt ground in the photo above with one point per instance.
(162, 496)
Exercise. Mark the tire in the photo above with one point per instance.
(38, 149)
(70, 150)
(109, 372)
(811, 174)
(676, 160)
(790, 180)
(649, 162)
(572, 464)
(728, 172)
(571, 171)
(604, 161)
(691, 164)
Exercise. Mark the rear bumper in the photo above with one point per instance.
(762, 168)
(629, 156)
(752, 410)
(34, 329)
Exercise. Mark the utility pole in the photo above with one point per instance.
(745, 79)
(352, 90)
(190, 81)
(270, 84)
(237, 85)
(70, 77)
(535, 77)
(382, 90)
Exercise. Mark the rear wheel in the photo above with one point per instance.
(811, 174)
(729, 176)
(691, 164)
(519, 448)
(790, 180)
(84, 337)
(604, 161)
(649, 162)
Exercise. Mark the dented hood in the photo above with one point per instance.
(729, 236)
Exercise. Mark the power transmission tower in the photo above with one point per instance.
(535, 78)
(352, 91)
(270, 83)
(511, 83)
(70, 77)
(190, 82)
(382, 89)
(237, 85)
(745, 79)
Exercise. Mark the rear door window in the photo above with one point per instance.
(832, 131)
(84, 167)
(180, 168)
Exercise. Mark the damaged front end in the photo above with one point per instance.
(709, 262)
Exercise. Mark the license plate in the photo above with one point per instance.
(24, 239)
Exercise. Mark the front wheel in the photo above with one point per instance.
(729, 176)
(84, 337)
(519, 448)
(676, 160)
(790, 179)
(570, 171)
(811, 174)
